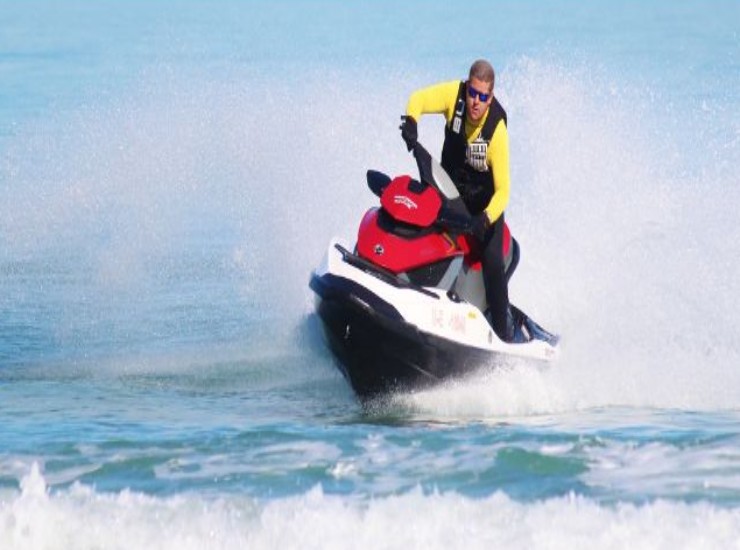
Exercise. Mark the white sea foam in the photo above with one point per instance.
(80, 517)
(681, 471)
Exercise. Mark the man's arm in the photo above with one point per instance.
(438, 98)
(498, 161)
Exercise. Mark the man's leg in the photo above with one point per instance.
(494, 278)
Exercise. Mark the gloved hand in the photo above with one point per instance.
(481, 225)
(409, 131)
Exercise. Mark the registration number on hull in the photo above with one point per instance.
(454, 321)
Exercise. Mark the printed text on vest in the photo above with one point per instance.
(475, 154)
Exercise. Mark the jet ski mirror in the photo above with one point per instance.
(455, 213)
(377, 181)
(431, 172)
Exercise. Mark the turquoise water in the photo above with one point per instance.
(170, 173)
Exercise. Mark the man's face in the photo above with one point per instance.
(476, 107)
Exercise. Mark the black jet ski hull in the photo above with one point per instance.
(377, 351)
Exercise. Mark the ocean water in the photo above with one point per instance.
(170, 173)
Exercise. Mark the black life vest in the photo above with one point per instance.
(466, 163)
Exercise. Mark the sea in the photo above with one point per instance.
(172, 171)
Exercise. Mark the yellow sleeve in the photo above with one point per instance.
(438, 99)
(498, 161)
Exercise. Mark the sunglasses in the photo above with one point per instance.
(472, 92)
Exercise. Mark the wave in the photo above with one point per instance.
(81, 517)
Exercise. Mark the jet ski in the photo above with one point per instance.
(404, 308)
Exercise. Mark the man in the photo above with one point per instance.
(476, 156)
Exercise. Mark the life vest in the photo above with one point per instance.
(466, 162)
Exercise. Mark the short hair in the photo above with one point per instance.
(482, 70)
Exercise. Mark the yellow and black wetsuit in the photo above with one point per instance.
(476, 156)
(477, 162)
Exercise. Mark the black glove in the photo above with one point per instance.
(481, 225)
(409, 131)
(455, 221)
